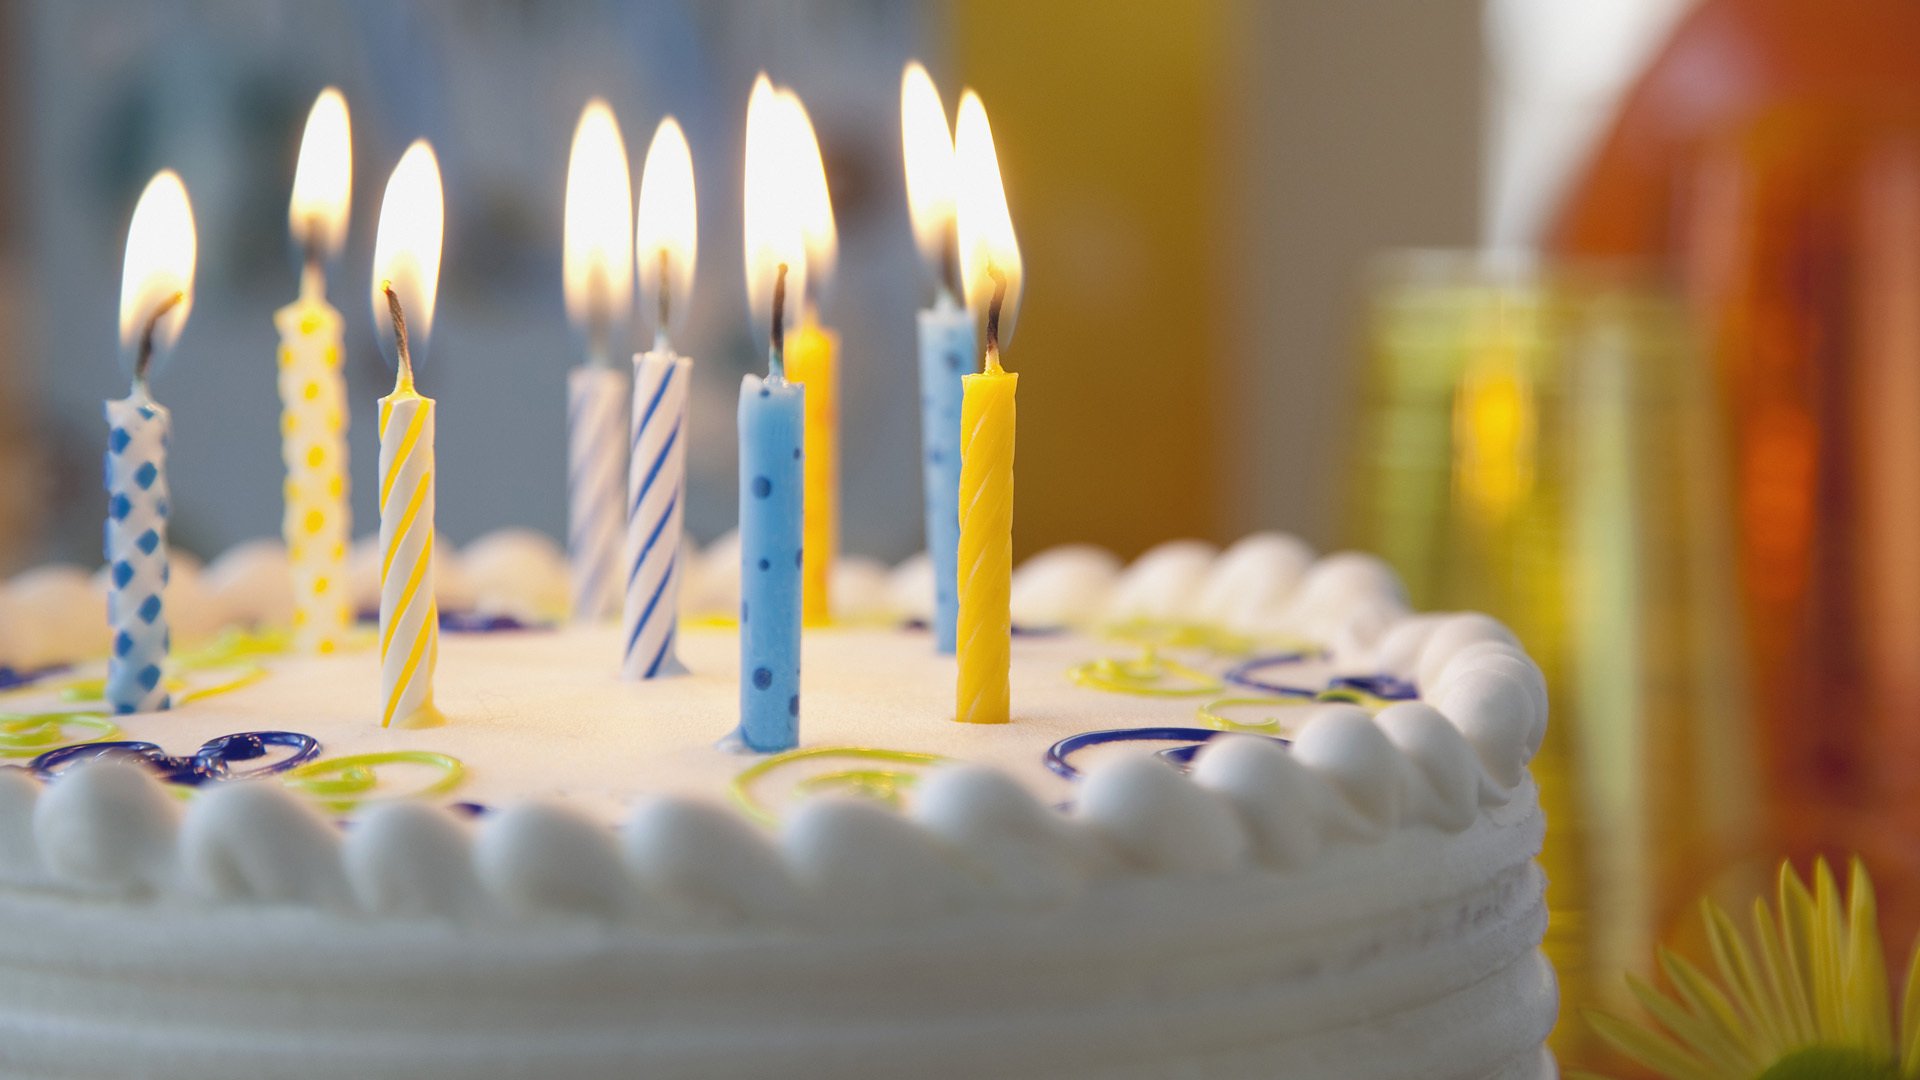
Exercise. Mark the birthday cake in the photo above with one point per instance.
(1252, 818)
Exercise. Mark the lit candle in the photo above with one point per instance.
(316, 521)
(156, 291)
(946, 335)
(598, 257)
(665, 240)
(812, 358)
(990, 270)
(772, 422)
(406, 277)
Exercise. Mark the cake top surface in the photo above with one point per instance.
(1387, 719)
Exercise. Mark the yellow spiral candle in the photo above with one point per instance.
(812, 361)
(409, 616)
(313, 424)
(985, 640)
(406, 263)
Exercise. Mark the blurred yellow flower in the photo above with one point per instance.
(1806, 998)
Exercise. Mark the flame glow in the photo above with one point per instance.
(808, 174)
(161, 251)
(323, 178)
(666, 225)
(987, 242)
(597, 252)
(406, 249)
(927, 146)
(772, 217)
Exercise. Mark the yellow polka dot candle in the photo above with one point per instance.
(406, 273)
(990, 272)
(813, 361)
(316, 521)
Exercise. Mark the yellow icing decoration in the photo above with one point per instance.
(868, 778)
(1150, 675)
(24, 735)
(345, 784)
(1214, 714)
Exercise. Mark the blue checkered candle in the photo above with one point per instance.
(772, 433)
(664, 238)
(597, 256)
(947, 347)
(155, 294)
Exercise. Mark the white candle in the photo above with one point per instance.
(156, 291)
(665, 238)
(598, 263)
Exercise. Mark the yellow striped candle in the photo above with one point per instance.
(406, 273)
(813, 362)
(985, 639)
(990, 270)
(409, 617)
(316, 522)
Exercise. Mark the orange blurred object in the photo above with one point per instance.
(1770, 155)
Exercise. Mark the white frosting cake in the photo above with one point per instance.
(1189, 860)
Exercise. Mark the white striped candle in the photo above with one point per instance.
(656, 512)
(409, 617)
(596, 467)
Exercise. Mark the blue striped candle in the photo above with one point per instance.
(596, 468)
(136, 545)
(772, 424)
(656, 512)
(946, 354)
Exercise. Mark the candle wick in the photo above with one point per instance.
(993, 315)
(666, 298)
(143, 359)
(404, 380)
(777, 345)
(949, 261)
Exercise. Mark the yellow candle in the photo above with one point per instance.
(313, 424)
(990, 271)
(812, 361)
(985, 639)
(313, 418)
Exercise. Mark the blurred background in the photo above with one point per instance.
(1600, 315)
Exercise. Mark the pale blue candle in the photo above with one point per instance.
(946, 354)
(771, 501)
(136, 548)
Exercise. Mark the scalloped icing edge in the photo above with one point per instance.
(974, 837)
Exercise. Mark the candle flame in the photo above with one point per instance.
(406, 248)
(666, 229)
(808, 174)
(772, 216)
(323, 178)
(927, 146)
(987, 244)
(157, 277)
(598, 250)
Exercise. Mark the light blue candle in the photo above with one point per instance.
(136, 545)
(771, 501)
(946, 354)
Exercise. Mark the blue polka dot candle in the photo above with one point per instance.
(665, 238)
(772, 432)
(946, 336)
(156, 291)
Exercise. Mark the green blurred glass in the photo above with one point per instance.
(1542, 444)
